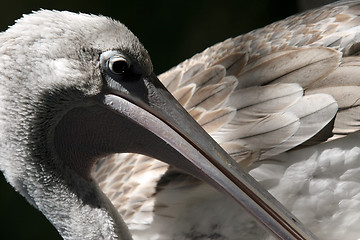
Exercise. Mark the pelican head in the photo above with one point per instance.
(75, 88)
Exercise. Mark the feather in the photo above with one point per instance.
(211, 96)
(276, 127)
(209, 76)
(264, 99)
(234, 63)
(214, 120)
(171, 80)
(304, 66)
(192, 71)
(347, 74)
(184, 94)
(314, 113)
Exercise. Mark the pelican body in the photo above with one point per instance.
(84, 120)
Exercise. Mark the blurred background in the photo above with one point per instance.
(171, 31)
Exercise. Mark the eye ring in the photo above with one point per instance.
(118, 65)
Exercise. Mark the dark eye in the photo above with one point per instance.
(118, 65)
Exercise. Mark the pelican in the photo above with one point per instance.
(70, 84)
(75, 93)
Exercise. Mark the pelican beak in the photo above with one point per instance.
(173, 136)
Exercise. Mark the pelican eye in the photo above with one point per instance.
(118, 65)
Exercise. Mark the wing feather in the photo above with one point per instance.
(184, 94)
(314, 113)
(347, 121)
(210, 97)
(256, 137)
(214, 120)
(265, 99)
(209, 76)
(304, 66)
(172, 79)
(234, 63)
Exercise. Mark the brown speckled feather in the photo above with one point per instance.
(259, 94)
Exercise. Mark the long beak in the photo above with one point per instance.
(194, 151)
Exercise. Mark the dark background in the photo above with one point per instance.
(172, 31)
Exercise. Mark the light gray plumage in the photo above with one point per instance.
(288, 85)
(41, 56)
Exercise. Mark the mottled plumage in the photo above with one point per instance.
(286, 86)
